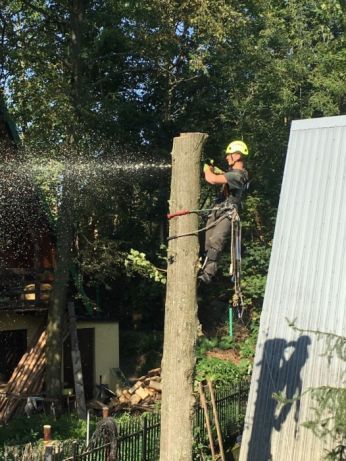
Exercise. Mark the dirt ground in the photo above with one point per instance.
(229, 354)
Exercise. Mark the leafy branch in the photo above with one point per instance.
(137, 262)
(335, 344)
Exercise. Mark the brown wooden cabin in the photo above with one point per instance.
(26, 249)
(27, 255)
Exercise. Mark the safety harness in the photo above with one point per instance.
(229, 211)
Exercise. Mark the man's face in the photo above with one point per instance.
(232, 158)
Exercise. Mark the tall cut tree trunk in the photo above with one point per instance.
(181, 303)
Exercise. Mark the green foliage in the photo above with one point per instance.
(221, 371)
(335, 345)
(137, 262)
(140, 351)
(21, 430)
(218, 370)
(329, 414)
(206, 344)
(226, 342)
(141, 342)
(47, 175)
(247, 347)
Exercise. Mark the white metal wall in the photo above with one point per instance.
(306, 283)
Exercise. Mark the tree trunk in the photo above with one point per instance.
(64, 227)
(76, 363)
(58, 299)
(76, 28)
(181, 303)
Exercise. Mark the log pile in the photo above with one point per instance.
(26, 379)
(142, 395)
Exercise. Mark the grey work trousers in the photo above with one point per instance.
(215, 239)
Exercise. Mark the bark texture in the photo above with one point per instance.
(181, 303)
(58, 300)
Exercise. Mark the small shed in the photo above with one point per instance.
(98, 343)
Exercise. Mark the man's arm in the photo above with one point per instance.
(213, 178)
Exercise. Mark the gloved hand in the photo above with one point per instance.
(217, 170)
(209, 166)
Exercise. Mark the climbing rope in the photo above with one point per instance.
(231, 213)
(197, 231)
(237, 300)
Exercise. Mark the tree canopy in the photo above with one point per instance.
(111, 82)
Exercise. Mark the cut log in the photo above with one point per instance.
(154, 372)
(143, 393)
(133, 389)
(146, 389)
(135, 399)
(126, 394)
(155, 385)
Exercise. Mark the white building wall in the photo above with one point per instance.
(306, 283)
(106, 348)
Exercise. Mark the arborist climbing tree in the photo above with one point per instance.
(223, 220)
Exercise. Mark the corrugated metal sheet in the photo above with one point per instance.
(306, 282)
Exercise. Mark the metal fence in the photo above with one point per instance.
(139, 438)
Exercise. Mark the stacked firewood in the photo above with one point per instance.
(141, 395)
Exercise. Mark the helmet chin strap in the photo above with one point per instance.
(233, 162)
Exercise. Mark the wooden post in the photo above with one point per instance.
(181, 303)
(48, 453)
(217, 422)
(47, 433)
(207, 419)
(76, 364)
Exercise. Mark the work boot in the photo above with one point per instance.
(207, 273)
(204, 277)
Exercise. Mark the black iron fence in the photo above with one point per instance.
(139, 438)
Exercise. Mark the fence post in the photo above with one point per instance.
(47, 433)
(144, 442)
(240, 398)
(74, 450)
(105, 412)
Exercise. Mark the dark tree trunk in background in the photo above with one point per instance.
(76, 363)
(181, 303)
(57, 306)
(65, 227)
(76, 24)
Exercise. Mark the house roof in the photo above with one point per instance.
(8, 122)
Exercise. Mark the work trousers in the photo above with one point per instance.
(215, 239)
